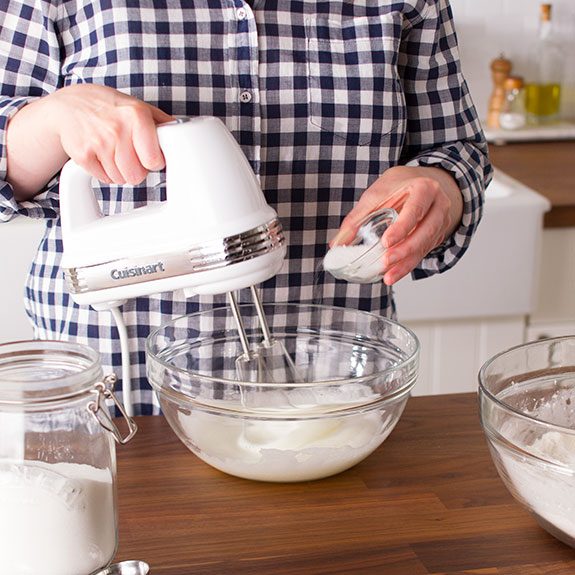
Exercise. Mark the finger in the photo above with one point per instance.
(108, 162)
(101, 145)
(367, 203)
(345, 234)
(145, 140)
(400, 262)
(420, 242)
(416, 204)
(398, 271)
(83, 153)
(402, 267)
(128, 162)
(159, 116)
(95, 169)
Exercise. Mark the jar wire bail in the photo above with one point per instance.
(104, 389)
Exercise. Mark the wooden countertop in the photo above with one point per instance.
(428, 501)
(546, 167)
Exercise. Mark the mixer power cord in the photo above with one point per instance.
(126, 365)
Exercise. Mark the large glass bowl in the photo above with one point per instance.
(527, 403)
(323, 397)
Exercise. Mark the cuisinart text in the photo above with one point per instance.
(117, 274)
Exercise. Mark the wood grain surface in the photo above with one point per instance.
(427, 502)
(546, 167)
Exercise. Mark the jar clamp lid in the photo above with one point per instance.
(38, 374)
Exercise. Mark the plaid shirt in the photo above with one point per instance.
(323, 97)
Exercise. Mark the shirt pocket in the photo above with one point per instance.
(354, 90)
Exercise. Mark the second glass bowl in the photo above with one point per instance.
(527, 403)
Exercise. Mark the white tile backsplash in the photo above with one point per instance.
(488, 28)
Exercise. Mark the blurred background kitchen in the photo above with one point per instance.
(489, 28)
(516, 283)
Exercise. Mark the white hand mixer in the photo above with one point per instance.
(215, 233)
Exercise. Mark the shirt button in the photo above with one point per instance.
(245, 97)
(241, 13)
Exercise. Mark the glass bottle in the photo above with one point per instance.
(57, 460)
(512, 116)
(543, 91)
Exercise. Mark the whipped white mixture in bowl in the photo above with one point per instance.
(283, 450)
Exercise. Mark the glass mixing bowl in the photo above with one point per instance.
(527, 403)
(346, 377)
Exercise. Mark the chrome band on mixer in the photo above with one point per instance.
(202, 257)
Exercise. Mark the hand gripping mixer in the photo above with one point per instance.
(215, 233)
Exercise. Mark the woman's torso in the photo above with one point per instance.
(309, 89)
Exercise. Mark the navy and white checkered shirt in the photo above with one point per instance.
(323, 97)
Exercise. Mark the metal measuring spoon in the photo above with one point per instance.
(126, 568)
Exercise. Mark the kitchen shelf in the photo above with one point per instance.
(558, 131)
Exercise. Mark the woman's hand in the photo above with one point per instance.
(430, 207)
(110, 134)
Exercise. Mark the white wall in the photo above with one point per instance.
(18, 243)
(487, 28)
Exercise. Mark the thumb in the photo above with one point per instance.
(351, 223)
(161, 117)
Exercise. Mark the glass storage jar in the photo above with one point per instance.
(513, 116)
(57, 460)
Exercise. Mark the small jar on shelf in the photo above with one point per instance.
(512, 115)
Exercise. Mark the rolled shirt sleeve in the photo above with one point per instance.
(442, 125)
(29, 68)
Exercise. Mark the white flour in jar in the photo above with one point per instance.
(55, 519)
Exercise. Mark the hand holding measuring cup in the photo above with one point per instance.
(429, 206)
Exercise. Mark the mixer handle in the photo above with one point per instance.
(78, 204)
(206, 174)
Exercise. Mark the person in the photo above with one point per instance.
(341, 107)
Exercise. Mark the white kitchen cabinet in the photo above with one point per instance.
(18, 243)
(554, 313)
(452, 352)
(553, 329)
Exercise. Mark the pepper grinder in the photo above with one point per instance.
(500, 70)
